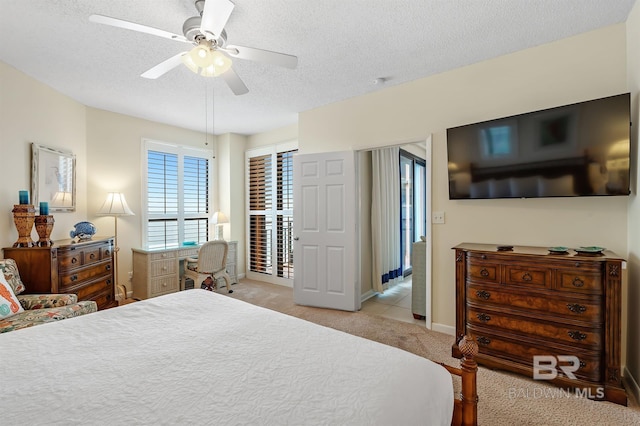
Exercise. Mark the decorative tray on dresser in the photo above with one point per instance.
(84, 268)
(533, 301)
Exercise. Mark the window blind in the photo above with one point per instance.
(260, 220)
(270, 187)
(177, 197)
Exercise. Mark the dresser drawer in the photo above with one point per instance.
(522, 352)
(190, 252)
(164, 267)
(104, 300)
(578, 282)
(69, 259)
(68, 279)
(567, 306)
(87, 291)
(165, 284)
(588, 337)
(75, 257)
(483, 271)
(91, 256)
(162, 256)
(527, 276)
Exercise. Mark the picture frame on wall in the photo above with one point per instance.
(53, 178)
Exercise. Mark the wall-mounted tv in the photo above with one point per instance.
(580, 149)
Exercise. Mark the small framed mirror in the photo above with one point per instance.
(53, 178)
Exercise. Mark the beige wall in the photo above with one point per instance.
(231, 189)
(274, 137)
(114, 159)
(554, 74)
(32, 112)
(633, 256)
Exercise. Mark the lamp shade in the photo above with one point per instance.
(218, 218)
(115, 205)
(61, 199)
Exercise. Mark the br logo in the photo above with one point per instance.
(545, 367)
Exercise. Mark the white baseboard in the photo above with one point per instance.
(632, 384)
(368, 295)
(442, 328)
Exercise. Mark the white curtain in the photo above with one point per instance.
(385, 216)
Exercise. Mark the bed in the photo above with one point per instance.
(197, 357)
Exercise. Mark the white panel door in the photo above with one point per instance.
(324, 231)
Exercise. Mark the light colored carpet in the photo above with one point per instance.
(505, 398)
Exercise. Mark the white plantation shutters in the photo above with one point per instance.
(270, 205)
(177, 189)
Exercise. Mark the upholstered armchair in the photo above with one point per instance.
(209, 267)
(36, 308)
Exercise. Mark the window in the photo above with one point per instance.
(177, 190)
(270, 205)
(413, 221)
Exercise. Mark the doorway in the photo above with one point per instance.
(411, 226)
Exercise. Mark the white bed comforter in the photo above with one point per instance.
(197, 357)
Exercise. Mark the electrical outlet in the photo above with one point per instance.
(130, 275)
(437, 217)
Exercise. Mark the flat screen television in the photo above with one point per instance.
(574, 150)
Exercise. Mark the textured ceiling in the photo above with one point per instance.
(342, 47)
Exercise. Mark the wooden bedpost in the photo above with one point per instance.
(469, 395)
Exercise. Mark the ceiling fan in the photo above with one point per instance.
(210, 56)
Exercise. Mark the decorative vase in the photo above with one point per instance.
(44, 226)
(23, 217)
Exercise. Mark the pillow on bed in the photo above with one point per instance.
(10, 270)
(9, 304)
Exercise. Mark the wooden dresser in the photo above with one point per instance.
(525, 302)
(84, 268)
(158, 272)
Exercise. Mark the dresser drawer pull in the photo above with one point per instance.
(107, 252)
(74, 259)
(484, 341)
(92, 256)
(576, 308)
(577, 282)
(583, 364)
(576, 335)
(526, 277)
(484, 272)
(164, 284)
(483, 257)
(107, 267)
(484, 317)
(73, 277)
(483, 294)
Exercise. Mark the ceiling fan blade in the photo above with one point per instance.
(164, 67)
(234, 82)
(114, 22)
(259, 55)
(215, 15)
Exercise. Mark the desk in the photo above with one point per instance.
(158, 271)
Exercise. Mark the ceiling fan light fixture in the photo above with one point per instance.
(220, 62)
(206, 61)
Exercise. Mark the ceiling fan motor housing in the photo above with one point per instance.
(191, 30)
